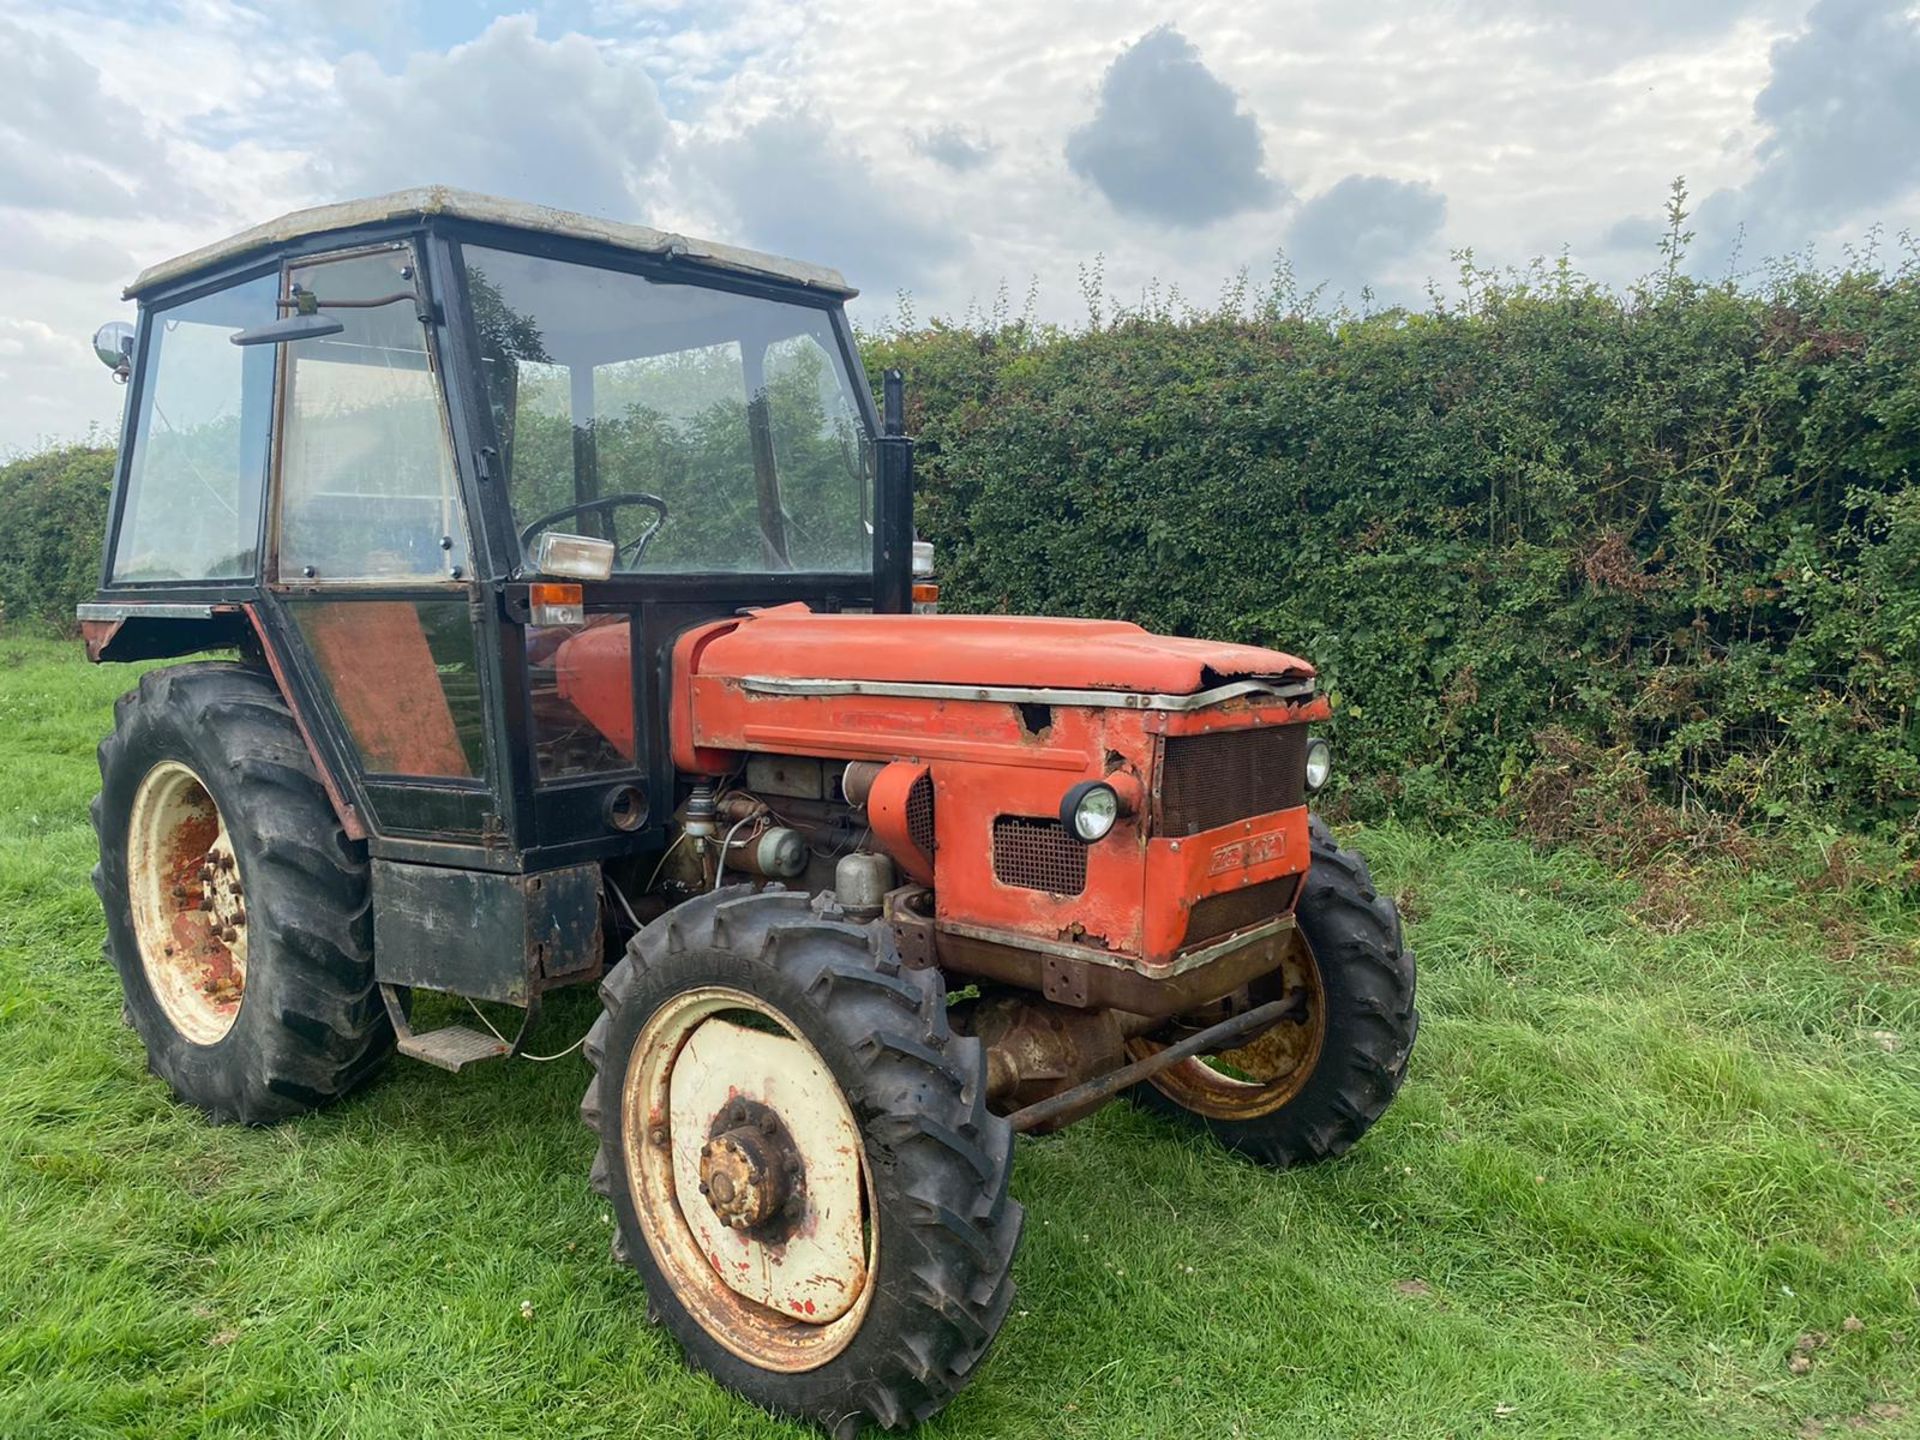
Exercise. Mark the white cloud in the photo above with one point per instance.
(1840, 114)
(52, 388)
(68, 142)
(791, 185)
(554, 121)
(850, 136)
(954, 147)
(1169, 141)
(1358, 230)
(88, 255)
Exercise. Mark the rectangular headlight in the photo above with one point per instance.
(581, 556)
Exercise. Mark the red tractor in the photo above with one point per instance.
(571, 576)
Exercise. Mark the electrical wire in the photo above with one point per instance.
(557, 1055)
(720, 865)
(614, 890)
(648, 887)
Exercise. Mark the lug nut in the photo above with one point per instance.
(658, 1136)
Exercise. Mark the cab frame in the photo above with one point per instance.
(505, 819)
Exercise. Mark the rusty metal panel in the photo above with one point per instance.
(402, 675)
(1207, 781)
(1090, 984)
(491, 936)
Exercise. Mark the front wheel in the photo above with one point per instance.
(800, 1160)
(1310, 1086)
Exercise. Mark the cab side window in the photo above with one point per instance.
(200, 442)
(367, 489)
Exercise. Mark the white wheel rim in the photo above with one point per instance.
(786, 1306)
(189, 907)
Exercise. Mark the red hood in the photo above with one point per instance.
(792, 642)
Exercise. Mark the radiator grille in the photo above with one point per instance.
(1222, 914)
(1038, 855)
(1211, 780)
(920, 814)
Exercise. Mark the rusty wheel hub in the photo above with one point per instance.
(750, 1171)
(187, 903)
(749, 1178)
(1265, 1072)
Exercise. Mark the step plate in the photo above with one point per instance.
(453, 1047)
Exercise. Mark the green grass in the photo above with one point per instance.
(1637, 1159)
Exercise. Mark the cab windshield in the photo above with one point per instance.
(696, 428)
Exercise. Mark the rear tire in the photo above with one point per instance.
(1364, 974)
(297, 1022)
(939, 1220)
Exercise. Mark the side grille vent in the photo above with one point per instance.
(920, 814)
(1240, 909)
(1038, 855)
(1212, 780)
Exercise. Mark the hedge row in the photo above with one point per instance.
(53, 509)
(1676, 526)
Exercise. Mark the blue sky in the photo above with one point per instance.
(950, 149)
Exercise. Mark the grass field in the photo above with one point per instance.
(1656, 1171)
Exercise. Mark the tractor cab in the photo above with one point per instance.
(403, 450)
(408, 446)
(567, 572)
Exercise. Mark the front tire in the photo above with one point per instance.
(237, 909)
(1310, 1087)
(805, 1037)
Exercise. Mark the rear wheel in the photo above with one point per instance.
(1310, 1086)
(800, 1161)
(236, 907)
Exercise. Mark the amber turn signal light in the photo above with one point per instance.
(550, 604)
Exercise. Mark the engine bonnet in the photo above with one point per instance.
(792, 642)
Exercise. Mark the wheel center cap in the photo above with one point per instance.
(749, 1171)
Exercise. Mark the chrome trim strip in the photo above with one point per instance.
(1098, 699)
(93, 611)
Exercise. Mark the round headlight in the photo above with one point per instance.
(1319, 762)
(1090, 810)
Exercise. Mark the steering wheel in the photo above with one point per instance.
(638, 545)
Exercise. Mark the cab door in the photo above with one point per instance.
(369, 569)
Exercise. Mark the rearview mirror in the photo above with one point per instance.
(294, 327)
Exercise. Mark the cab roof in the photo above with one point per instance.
(426, 202)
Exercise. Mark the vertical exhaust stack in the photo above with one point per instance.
(893, 451)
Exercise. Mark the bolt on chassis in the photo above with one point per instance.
(581, 640)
